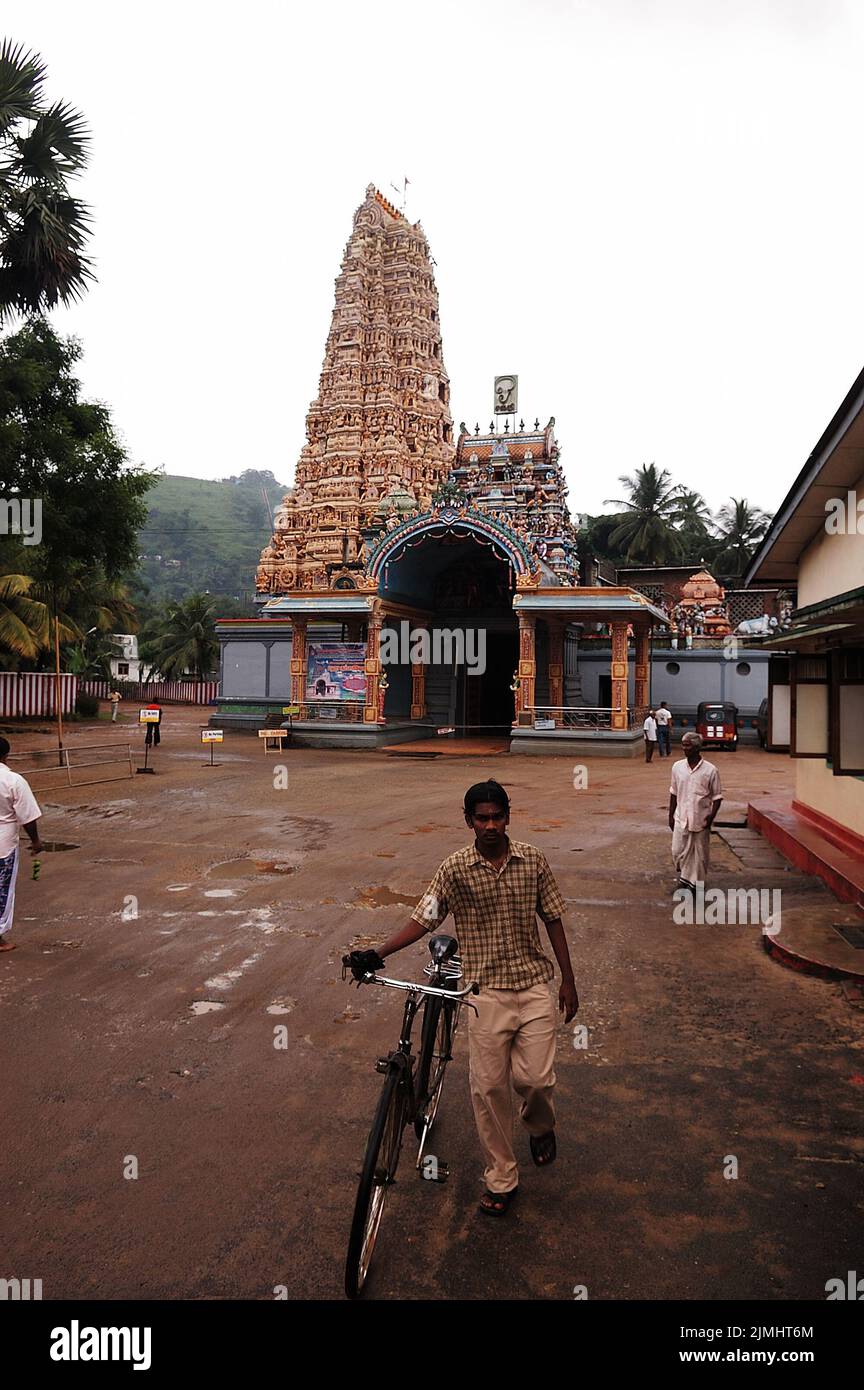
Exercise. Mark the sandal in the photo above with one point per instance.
(501, 1201)
(543, 1149)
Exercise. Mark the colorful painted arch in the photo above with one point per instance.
(451, 519)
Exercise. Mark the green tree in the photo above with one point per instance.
(63, 452)
(183, 640)
(646, 531)
(694, 522)
(741, 527)
(24, 625)
(43, 228)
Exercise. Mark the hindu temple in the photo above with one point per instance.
(395, 529)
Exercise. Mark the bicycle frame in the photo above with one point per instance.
(402, 1056)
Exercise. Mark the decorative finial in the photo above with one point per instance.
(521, 426)
(491, 426)
(506, 426)
(537, 423)
(477, 427)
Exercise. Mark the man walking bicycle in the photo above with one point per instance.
(496, 888)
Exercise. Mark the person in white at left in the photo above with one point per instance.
(649, 729)
(18, 806)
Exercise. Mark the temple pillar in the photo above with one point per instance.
(527, 667)
(298, 661)
(372, 667)
(556, 665)
(642, 655)
(418, 690)
(619, 675)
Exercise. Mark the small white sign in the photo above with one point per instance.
(212, 735)
(149, 716)
(544, 723)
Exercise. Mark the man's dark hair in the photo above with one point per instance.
(4, 746)
(486, 791)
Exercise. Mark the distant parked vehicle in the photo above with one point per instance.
(762, 724)
(717, 725)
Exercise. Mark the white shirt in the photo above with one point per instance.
(18, 806)
(663, 716)
(697, 789)
(650, 727)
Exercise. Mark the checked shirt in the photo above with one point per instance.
(495, 911)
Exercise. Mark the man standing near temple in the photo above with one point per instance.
(694, 800)
(663, 718)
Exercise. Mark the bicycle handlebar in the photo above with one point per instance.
(372, 979)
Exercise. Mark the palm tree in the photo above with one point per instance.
(43, 228)
(24, 625)
(741, 528)
(183, 640)
(646, 531)
(694, 520)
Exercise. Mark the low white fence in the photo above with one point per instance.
(31, 694)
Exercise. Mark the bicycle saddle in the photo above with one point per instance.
(442, 947)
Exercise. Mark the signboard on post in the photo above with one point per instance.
(212, 735)
(149, 716)
(293, 711)
(506, 395)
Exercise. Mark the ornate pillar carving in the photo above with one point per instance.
(527, 668)
(418, 690)
(372, 667)
(642, 656)
(619, 675)
(298, 661)
(556, 664)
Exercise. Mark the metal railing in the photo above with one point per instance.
(65, 761)
(591, 718)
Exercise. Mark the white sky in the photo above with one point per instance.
(650, 210)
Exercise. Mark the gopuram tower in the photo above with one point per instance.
(379, 436)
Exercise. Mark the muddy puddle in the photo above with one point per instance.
(246, 868)
(383, 897)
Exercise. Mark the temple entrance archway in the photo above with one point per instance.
(463, 585)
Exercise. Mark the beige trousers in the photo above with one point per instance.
(511, 1046)
(690, 850)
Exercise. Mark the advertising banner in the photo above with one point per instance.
(335, 671)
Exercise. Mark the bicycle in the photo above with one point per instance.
(405, 1100)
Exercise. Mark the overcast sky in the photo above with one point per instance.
(650, 210)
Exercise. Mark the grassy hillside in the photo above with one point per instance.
(206, 535)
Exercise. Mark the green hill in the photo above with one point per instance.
(204, 535)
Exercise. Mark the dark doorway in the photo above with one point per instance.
(486, 700)
(604, 695)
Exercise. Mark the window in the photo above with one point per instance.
(122, 668)
(810, 707)
(672, 668)
(847, 712)
(743, 668)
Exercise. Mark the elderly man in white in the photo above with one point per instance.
(694, 800)
(18, 807)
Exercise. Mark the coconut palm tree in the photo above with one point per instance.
(43, 228)
(646, 530)
(741, 528)
(694, 522)
(183, 640)
(24, 626)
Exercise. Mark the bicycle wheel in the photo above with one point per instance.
(435, 1050)
(379, 1170)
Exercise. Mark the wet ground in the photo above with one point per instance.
(175, 1009)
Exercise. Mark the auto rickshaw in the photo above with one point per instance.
(717, 725)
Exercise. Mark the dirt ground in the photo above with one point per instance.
(200, 909)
